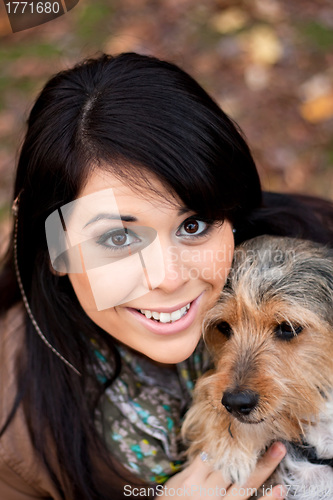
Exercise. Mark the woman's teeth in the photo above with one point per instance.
(166, 317)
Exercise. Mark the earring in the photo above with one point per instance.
(15, 211)
(234, 230)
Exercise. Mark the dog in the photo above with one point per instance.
(271, 339)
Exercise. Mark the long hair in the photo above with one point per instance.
(132, 115)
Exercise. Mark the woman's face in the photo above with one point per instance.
(177, 282)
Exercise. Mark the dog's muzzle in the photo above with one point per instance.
(240, 403)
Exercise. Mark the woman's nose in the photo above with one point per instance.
(176, 272)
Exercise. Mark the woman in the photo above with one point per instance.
(131, 187)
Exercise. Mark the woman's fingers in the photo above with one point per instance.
(202, 474)
(267, 464)
(198, 479)
(197, 469)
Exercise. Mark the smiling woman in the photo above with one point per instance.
(132, 188)
(148, 278)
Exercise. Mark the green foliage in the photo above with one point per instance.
(92, 21)
(320, 35)
(35, 48)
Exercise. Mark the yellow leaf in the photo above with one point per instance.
(263, 45)
(318, 109)
(229, 20)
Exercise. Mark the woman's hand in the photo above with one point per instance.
(199, 480)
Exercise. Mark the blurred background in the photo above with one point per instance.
(268, 63)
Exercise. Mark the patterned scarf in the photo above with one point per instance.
(140, 414)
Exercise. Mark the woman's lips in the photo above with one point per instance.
(168, 328)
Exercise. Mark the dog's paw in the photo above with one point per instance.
(236, 468)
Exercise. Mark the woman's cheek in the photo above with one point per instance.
(81, 286)
(213, 262)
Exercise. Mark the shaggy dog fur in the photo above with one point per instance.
(271, 338)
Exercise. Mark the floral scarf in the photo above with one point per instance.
(140, 414)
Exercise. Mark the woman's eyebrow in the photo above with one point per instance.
(184, 210)
(126, 218)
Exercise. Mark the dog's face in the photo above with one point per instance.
(271, 335)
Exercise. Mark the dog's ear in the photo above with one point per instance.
(317, 263)
(326, 268)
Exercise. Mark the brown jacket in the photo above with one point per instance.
(22, 474)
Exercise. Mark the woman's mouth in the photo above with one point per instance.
(167, 322)
(164, 317)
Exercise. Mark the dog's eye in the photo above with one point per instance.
(224, 328)
(285, 331)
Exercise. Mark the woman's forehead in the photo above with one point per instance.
(140, 196)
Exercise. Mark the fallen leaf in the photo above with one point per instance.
(318, 109)
(318, 85)
(229, 20)
(262, 45)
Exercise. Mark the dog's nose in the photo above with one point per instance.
(241, 402)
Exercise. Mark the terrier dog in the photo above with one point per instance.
(271, 339)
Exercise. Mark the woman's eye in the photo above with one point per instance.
(193, 227)
(117, 239)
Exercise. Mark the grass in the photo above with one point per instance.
(319, 35)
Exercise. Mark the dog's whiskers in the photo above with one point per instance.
(211, 403)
